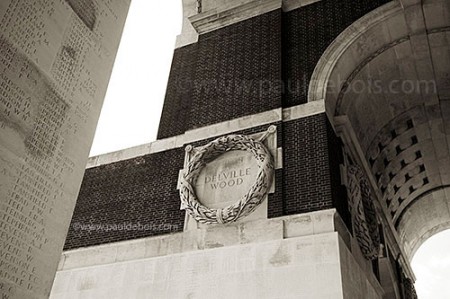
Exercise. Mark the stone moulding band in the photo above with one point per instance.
(211, 131)
(205, 154)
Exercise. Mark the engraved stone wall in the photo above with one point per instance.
(55, 61)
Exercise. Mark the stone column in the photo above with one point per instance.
(56, 57)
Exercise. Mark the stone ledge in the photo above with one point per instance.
(223, 16)
(289, 5)
(218, 17)
(210, 131)
(308, 224)
(300, 111)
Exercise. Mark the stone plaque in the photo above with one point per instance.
(228, 178)
(225, 180)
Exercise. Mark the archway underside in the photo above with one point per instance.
(392, 80)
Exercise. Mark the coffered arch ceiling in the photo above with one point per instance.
(389, 74)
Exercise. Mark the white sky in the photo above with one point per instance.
(431, 264)
(133, 105)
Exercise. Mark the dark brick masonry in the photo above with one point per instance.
(310, 181)
(179, 93)
(143, 190)
(229, 73)
(253, 66)
(139, 191)
(306, 174)
(307, 32)
(338, 190)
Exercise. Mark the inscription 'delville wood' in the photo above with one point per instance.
(227, 178)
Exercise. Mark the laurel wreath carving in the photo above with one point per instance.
(363, 213)
(250, 201)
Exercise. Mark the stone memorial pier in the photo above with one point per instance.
(56, 57)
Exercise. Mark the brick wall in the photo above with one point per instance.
(307, 32)
(306, 171)
(311, 174)
(256, 65)
(179, 93)
(143, 190)
(139, 191)
(338, 190)
(229, 73)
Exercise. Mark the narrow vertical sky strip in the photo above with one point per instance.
(133, 103)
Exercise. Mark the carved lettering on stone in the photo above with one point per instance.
(215, 186)
(55, 60)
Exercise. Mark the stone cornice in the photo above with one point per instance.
(263, 230)
(215, 15)
(237, 124)
(289, 5)
(223, 16)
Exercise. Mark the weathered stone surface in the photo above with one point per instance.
(309, 266)
(354, 284)
(249, 231)
(55, 62)
(225, 180)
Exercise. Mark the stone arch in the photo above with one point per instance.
(387, 77)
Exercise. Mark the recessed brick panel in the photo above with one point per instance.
(306, 171)
(338, 190)
(311, 174)
(139, 192)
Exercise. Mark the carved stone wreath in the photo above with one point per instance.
(250, 201)
(363, 213)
